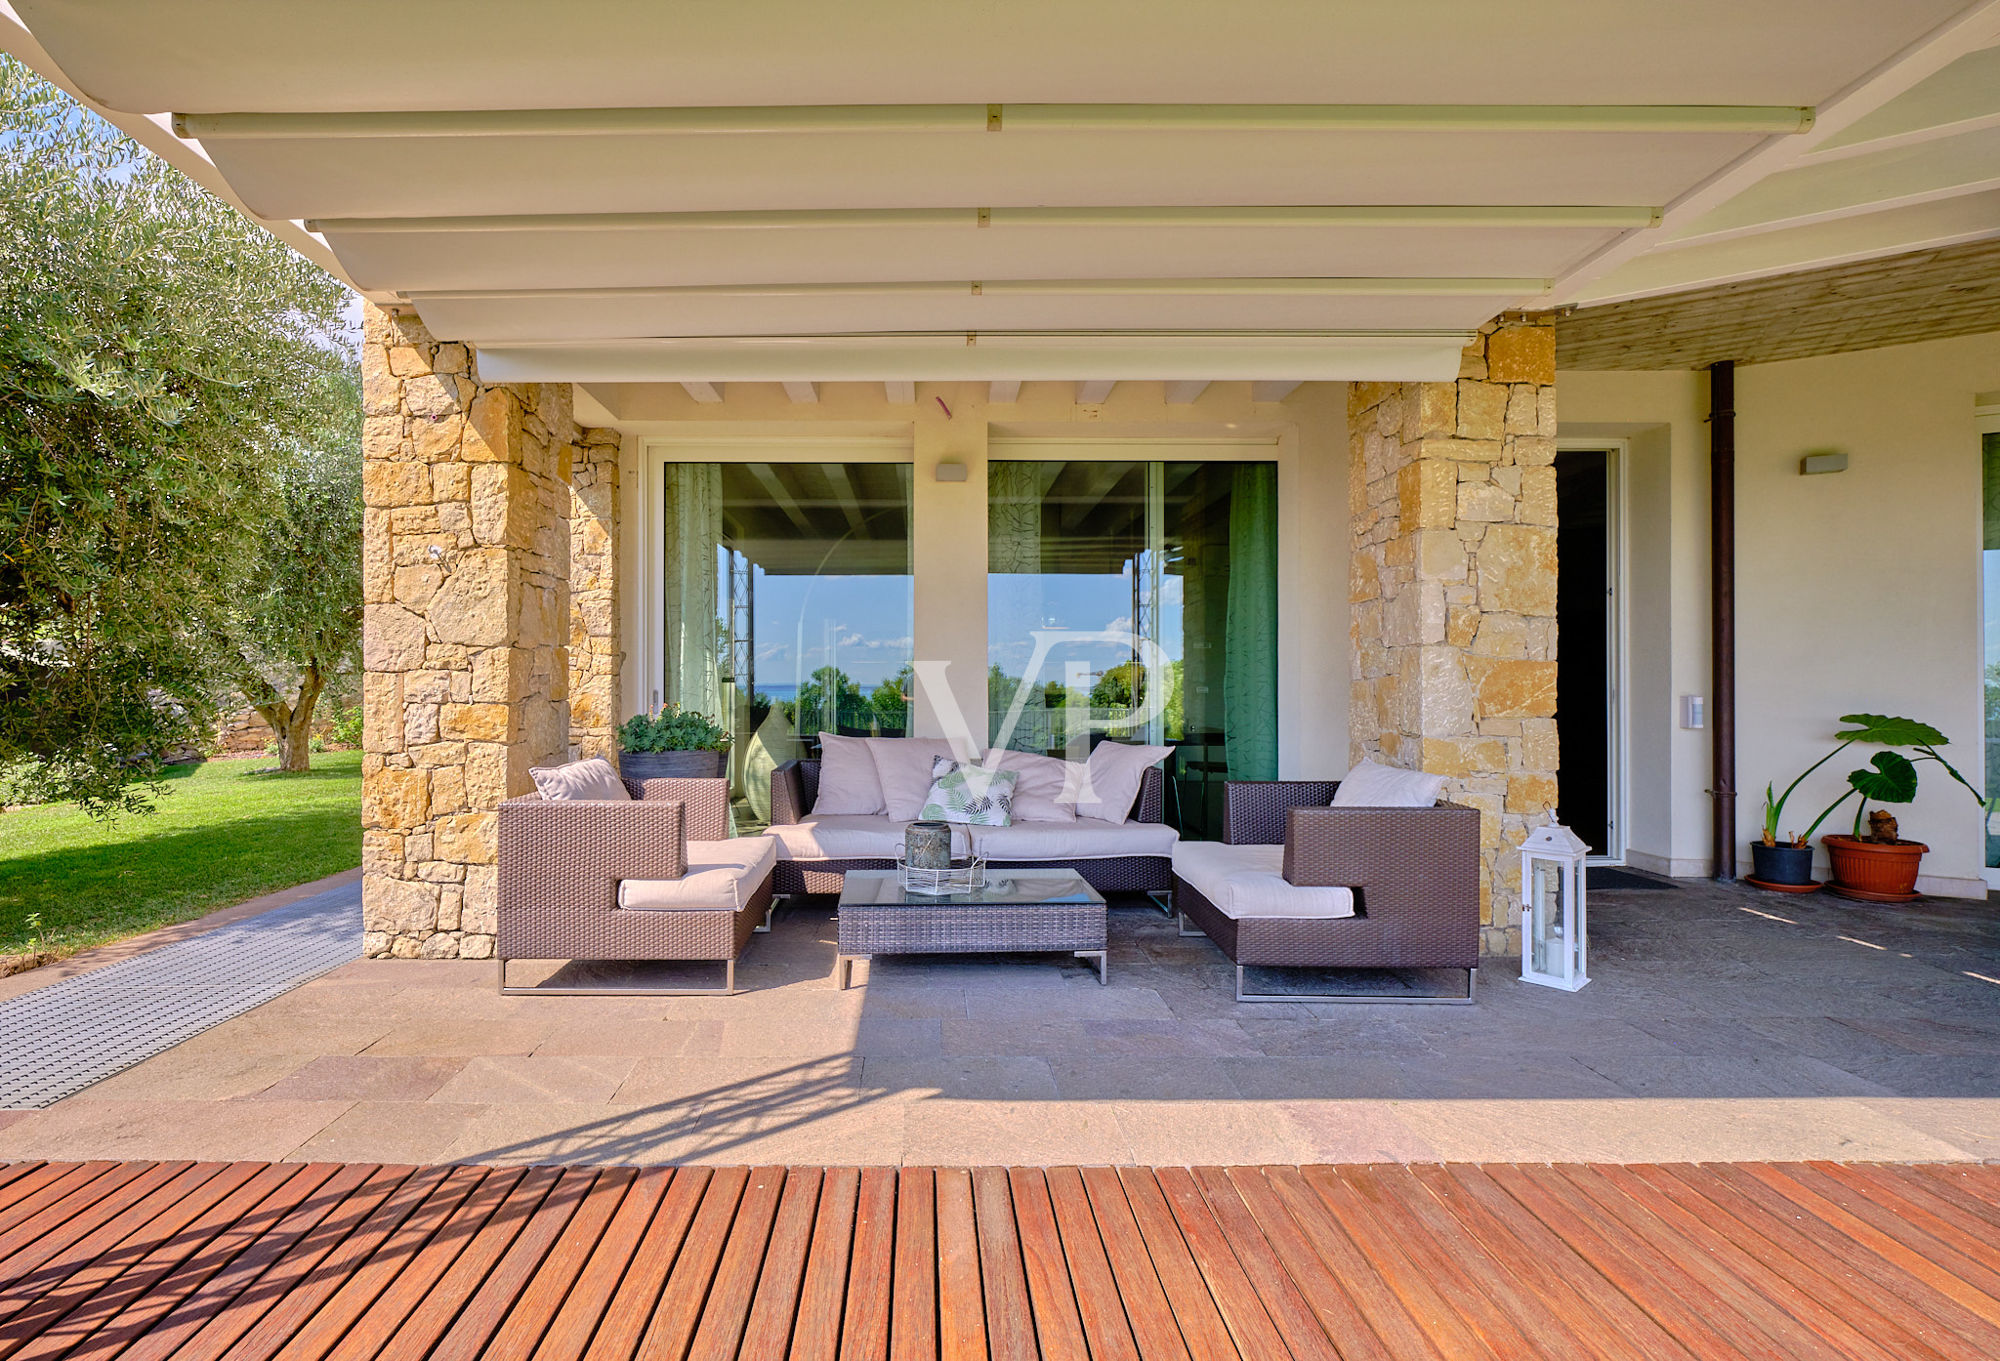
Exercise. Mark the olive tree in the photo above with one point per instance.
(163, 363)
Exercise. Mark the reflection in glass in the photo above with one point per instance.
(786, 607)
(1990, 652)
(1547, 937)
(1144, 596)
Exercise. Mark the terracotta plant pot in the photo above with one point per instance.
(1875, 871)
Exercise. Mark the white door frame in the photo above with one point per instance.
(1618, 740)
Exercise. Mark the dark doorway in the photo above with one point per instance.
(1585, 674)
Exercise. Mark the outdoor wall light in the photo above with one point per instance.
(1823, 461)
(950, 470)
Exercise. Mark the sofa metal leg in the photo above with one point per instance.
(1100, 958)
(1163, 898)
(1183, 922)
(501, 982)
(1364, 999)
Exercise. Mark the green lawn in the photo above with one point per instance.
(221, 833)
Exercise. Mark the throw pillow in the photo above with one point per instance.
(1112, 778)
(974, 795)
(1038, 790)
(1372, 785)
(904, 767)
(595, 778)
(847, 779)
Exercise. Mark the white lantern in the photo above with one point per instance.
(1552, 908)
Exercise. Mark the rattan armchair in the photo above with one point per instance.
(561, 863)
(1414, 873)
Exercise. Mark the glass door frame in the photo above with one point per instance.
(1985, 421)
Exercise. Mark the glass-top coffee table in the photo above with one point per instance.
(1018, 911)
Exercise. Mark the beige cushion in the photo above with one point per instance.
(1372, 785)
(849, 837)
(1082, 839)
(595, 778)
(903, 765)
(1038, 785)
(847, 779)
(1116, 771)
(720, 874)
(1249, 881)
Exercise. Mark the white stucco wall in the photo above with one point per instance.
(1856, 591)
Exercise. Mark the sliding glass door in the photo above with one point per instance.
(1139, 601)
(786, 597)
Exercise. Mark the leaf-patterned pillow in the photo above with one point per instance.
(969, 794)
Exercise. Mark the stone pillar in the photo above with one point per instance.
(596, 653)
(1453, 497)
(466, 579)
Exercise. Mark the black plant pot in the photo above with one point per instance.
(671, 765)
(1782, 864)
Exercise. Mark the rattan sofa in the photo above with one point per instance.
(1414, 873)
(795, 785)
(562, 863)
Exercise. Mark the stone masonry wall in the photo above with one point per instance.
(1453, 496)
(596, 653)
(466, 578)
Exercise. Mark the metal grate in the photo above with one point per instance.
(59, 1039)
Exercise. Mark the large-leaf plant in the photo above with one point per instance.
(1889, 776)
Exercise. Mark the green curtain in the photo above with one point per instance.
(690, 610)
(1250, 665)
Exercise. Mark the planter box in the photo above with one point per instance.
(671, 765)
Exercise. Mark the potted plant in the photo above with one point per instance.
(1880, 865)
(675, 742)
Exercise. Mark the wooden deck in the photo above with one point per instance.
(146, 1261)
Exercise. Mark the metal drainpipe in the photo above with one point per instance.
(1722, 609)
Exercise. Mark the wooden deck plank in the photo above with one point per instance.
(370, 1334)
(776, 1303)
(1009, 1317)
(1407, 1281)
(961, 1288)
(174, 1261)
(20, 1179)
(1607, 1322)
(533, 1313)
(1235, 1298)
(727, 1312)
(1888, 1291)
(815, 1331)
(1324, 1293)
(265, 1246)
(289, 1285)
(678, 1313)
(1917, 1253)
(576, 1321)
(1675, 1309)
(913, 1328)
(484, 1283)
(625, 1318)
(1136, 1283)
(1750, 1285)
(864, 1331)
(1828, 1292)
(139, 1293)
(1055, 1282)
(366, 1283)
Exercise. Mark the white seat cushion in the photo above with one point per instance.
(1249, 881)
(1083, 839)
(849, 837)
(720, 874)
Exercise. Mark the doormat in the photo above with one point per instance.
(1610, 877)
